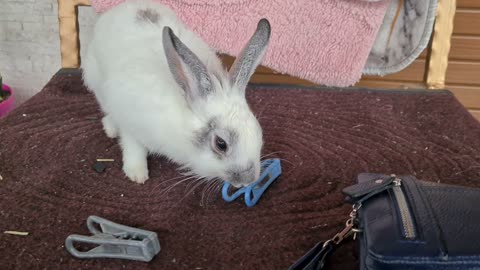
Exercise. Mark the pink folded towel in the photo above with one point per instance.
(323, 41)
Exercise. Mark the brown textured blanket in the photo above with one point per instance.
(324, 136)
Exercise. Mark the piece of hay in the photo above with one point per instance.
(16, 233)
(105, 159)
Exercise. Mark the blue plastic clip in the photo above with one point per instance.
(271, 170)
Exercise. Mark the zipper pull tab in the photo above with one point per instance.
(346, 232)
(360, 192)
(350, 227)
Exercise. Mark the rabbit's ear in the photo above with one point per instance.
(251, 56)
(187, 69)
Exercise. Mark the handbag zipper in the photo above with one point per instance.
(362, 192)
(316, 257)
(405, 214)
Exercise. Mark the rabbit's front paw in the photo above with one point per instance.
(134, 159)
(137, 171)
(109, 127)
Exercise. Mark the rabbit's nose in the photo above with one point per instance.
(243, 177)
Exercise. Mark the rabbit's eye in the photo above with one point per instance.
(220, 144)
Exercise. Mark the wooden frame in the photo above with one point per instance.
(440, 45)
(69, 31)
(436, 64)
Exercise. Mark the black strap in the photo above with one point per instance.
(315, 258)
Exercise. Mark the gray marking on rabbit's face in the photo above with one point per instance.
(147, 15)
(204, 138)
(229, 144)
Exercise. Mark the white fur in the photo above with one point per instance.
(127, 70)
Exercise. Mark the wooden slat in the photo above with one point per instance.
(468, 3)
(228, 61)
(463, 78)
(465, 48)
(467, 22)
(476, 114)
(412, 74)
(372, 83)
(279, 79)
(284, 79)
(469, 96)
(459, 72)
(423, 55)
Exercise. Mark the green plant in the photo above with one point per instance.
(3, 95)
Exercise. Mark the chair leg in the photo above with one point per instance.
(442, 33)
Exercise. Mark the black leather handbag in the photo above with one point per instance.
(404, 223)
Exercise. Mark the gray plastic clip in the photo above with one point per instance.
(115, 241)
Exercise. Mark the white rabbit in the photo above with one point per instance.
(164, 91)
